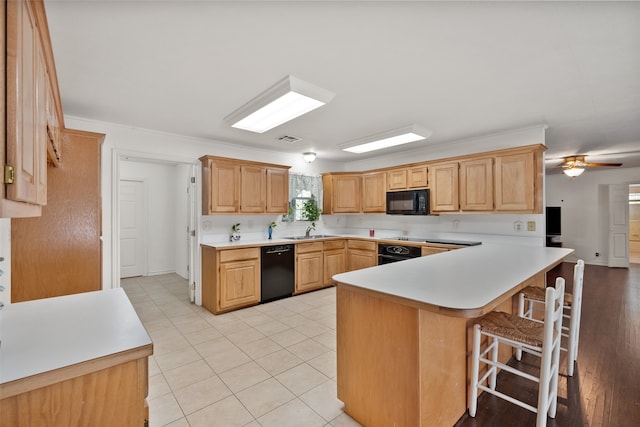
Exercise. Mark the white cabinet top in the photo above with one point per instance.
(465, 279)
(47, 334)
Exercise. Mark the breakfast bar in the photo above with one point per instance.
(403, 329)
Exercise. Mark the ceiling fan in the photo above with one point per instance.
(574, 165)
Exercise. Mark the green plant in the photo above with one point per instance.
(235, 227)
(273, 224)
(311, 211)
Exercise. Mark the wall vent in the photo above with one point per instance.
(290, 139)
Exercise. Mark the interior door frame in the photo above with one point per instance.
(119, 155)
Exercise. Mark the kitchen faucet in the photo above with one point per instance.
(309, 228)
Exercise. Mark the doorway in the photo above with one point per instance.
(154, 217)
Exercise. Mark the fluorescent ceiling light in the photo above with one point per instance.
(284, 101)
(574, 171)
(387, 139)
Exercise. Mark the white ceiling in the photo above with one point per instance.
(460, 69)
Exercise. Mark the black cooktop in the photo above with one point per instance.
(441, 241)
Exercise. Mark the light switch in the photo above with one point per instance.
(531, 225)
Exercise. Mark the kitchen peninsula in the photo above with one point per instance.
(403, 329)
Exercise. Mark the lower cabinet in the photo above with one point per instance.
(230, 278)
(309, 267)
(430, 250)
(361, 254)
(335, 259)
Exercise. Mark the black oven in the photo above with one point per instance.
(393, 253)
(409, 202)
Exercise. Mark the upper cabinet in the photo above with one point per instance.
(443, 184)
(374, 192)
(239, 186)
(342, 193)
(476, 184)
(407, 178)
(518, 181)
(33, 114)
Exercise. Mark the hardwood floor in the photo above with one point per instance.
(605, 388)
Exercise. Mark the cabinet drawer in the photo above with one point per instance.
(363, 244)
(239, 254)
(309, 247)
(333, 244)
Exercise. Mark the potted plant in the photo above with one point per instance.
(311, 211)
(235, 232)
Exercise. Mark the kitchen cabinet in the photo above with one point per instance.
(334, 258)
(361, 254)
(443, 184)
(29, 88)
(374, 195)
(476, 184)
(230, 278)
(240, 186)
(518, 177)
(309, 266)
(252, 189)
(342, 193)
(407, 178)
(60, 252)
(277, 191)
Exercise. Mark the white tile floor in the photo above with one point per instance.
(269, 365)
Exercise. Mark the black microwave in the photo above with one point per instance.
(410, 202)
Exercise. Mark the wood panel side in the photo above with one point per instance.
(108, 397)
(377, 359)
(60, 252)
(209, 278)
(443, 375)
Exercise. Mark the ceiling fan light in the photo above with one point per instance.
(573, 172)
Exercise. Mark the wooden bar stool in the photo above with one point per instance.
(539, 338)
(531, 299)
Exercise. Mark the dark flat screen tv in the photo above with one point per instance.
(554, 221)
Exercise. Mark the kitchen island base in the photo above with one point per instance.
(401, 363)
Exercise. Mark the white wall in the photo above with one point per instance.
(5, 266)
(585, 209)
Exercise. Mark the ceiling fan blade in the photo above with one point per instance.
(603, 164)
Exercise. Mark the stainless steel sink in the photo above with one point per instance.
(314, 236)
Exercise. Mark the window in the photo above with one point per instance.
(301, 189)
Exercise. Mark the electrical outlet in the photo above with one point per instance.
(597, 254)
(531, 225)
(517, 225)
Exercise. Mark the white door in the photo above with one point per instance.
(618, 225)
(132, 231)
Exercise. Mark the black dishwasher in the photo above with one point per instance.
(277, 266)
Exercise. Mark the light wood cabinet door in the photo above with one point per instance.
(252, 189)
(309, 269)
(515, 182)
(361, 254)
(397, 179)
(374, 195)
(223, 181)
(335, 259)
(443, 184)
(239, 283)
(417, 177)
(342, 193)
(26, 128)
(476, 185)
(277, 191)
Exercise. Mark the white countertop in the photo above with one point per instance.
(47, 334)
(464, 279)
